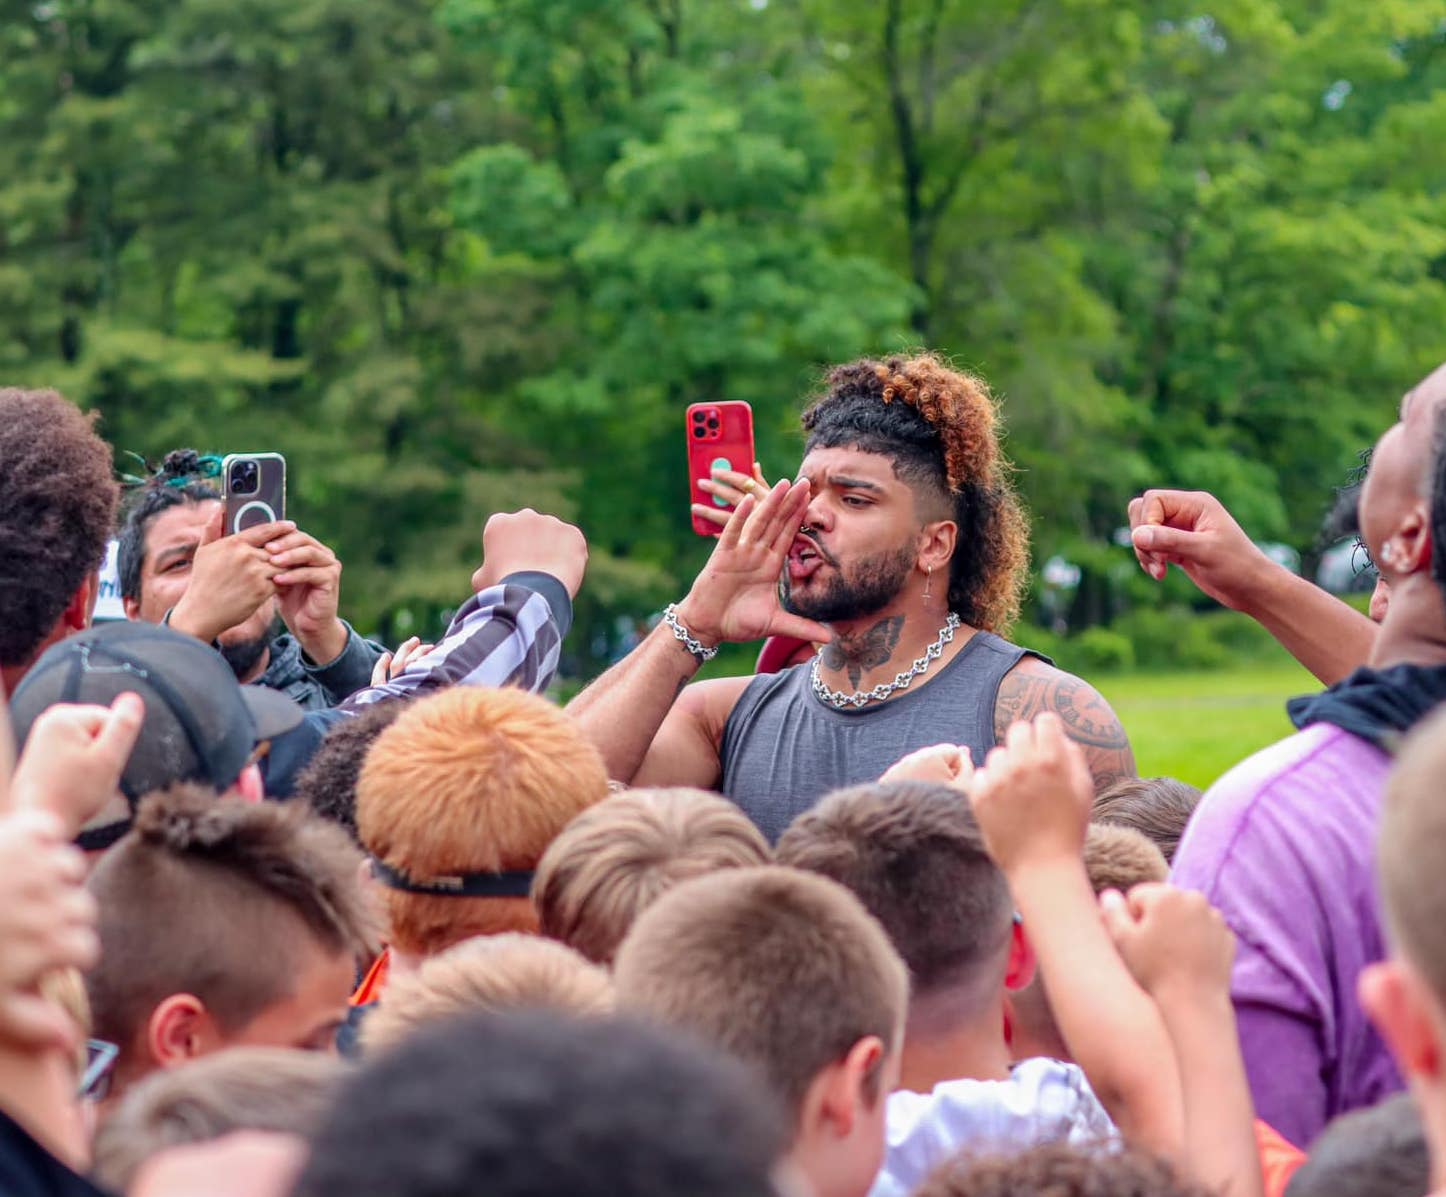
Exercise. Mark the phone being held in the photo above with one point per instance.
(720, 437)
(253, 490)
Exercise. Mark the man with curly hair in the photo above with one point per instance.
(57, 506)
(901, 548)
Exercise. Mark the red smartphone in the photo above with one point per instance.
(720, 436)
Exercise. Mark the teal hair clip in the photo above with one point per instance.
(191, 467)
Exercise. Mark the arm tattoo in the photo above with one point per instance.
(1087, 718)
(868, 649)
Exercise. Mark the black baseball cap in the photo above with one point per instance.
(201, 724)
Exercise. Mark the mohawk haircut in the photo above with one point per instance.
(616, 859)
(490, 972)
(940, 427)
(470, 780)
(911, 852)
(781, 969)
(211, 896)
(57, 509)
(178, 482)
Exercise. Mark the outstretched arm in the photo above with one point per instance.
(1032, 687)
(1180, 950)
(1032, 799)
(1192, 529)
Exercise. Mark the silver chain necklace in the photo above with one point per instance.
(839, 700)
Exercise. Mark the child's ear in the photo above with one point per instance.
(840, 1093)
(180, 1028)
(1019, 971)
(1403, 1010)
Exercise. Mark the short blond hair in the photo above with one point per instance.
(490, 972)
(1409, 851)
(470, 780)
(616, 859)
(1121, 858)
(782, 969)
(241, 1088)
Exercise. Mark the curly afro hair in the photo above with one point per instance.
(1060, 1170)
(57, 508)
(940, 426)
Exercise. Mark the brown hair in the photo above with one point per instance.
(57, 510)
(241, 1088)
(1157, 807)
(1121, 858)
(328, 782)
(782, 969)
(617, 858)
(470, 780)
(1409, 851)
(491, 972)
(210, 896)
(1059, 1170)
(940, 426)
(912, 854)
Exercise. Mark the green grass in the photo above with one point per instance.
(1195, 726)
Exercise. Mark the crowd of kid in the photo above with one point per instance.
(458, 959)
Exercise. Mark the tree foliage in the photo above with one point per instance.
(460, 256)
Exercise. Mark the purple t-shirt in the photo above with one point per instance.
(1284, 847)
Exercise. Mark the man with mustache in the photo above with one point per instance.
(902, 549)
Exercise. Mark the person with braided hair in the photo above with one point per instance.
(901, 548)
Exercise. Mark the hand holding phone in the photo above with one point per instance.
(720, 438)
(254, 490)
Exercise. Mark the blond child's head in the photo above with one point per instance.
(618, 857)
(510, 971)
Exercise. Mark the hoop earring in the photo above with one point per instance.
(928, 582)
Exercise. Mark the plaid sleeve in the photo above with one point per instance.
(504, 635)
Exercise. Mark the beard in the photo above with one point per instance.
(242, 655)
(870, 586)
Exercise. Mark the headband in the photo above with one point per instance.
(514, 884)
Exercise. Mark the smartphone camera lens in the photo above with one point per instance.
(713, 423)
(699, 431)
(245, 478)
(698, 417)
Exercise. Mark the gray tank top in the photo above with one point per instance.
(783, 749)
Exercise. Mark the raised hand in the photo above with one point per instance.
(735, 597)
(1193, 530)
(1172, 939)
(390, 665)
(1032, 796)
(530, 541)
(47, 921)
(947, 764)
(308, 591)
(231, 576)
(74, 758)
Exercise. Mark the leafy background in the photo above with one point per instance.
(462, 256)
